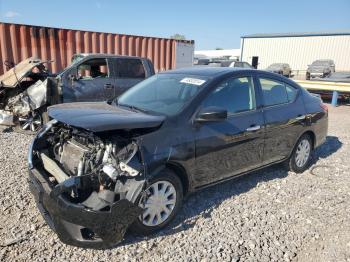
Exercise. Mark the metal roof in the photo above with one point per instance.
(324, 33)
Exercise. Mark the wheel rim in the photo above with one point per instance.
(302, 153)
(158, 204)
(30, 122)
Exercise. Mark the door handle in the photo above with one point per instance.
(108, 86)
(253, 128)
(300, 117)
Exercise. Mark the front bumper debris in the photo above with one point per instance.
(6, 118)
(74, 223)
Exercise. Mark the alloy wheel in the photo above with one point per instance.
(30, 122)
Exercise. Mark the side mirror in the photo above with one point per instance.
(72, 77)
(211, 114)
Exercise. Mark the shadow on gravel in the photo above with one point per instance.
(203, 202)
(330, 146)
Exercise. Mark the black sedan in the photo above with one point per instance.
(98, 169)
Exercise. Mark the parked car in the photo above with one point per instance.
(280, 68)
(320, 68)
(27, 89)
(98, 169)
(201, 61)
(240, 64)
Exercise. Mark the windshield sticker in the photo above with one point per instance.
(192, 81)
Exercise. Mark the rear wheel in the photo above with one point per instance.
(301, 156)
(161, 203)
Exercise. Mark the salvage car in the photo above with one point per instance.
(27, 89)
(98, 169)
(280, 68)
(320, 68)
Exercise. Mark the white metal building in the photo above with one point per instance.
(297, 49)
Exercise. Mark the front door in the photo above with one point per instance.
(233, 146)
(94, 82)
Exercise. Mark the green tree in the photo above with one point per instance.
(219, 48)
(178, 37)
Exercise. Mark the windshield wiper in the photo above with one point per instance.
(135, 108)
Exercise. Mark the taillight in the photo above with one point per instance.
(324, 107)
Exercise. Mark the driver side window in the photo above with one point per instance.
(94, 68)
(234, 94)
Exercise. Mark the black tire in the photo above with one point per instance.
(307, 76)
(138, 227)
(292, 161)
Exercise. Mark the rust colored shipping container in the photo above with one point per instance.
(18, 42)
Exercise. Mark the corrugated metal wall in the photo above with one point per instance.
(18, 42)
(299, 52)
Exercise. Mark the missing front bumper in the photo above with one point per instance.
(75, 224)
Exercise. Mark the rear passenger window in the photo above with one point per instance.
(130, 68)
(274, 92)
(235, 95)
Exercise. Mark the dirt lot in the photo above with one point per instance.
(271, 215)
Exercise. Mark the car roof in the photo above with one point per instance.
(98, 55)
(323, 60)
(207, 71)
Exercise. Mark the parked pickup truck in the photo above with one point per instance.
(28, 88)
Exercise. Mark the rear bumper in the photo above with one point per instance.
(74, 223)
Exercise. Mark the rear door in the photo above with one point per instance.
(235, 145)
(284, 115)
(129, 72)
(94, 81)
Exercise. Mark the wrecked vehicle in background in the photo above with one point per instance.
(28, 89)
(22, 93)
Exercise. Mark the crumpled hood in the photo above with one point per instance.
(101, 116)
(11, 78)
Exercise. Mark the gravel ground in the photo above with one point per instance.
(271, 215)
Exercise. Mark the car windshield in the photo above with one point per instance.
(165, 94)
(320, 63)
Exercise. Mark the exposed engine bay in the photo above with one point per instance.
(113, 165)
(87, 185)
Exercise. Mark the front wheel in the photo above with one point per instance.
(301, 156)
(161, 202)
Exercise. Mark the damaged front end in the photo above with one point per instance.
(24, 90)
(86, 185)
